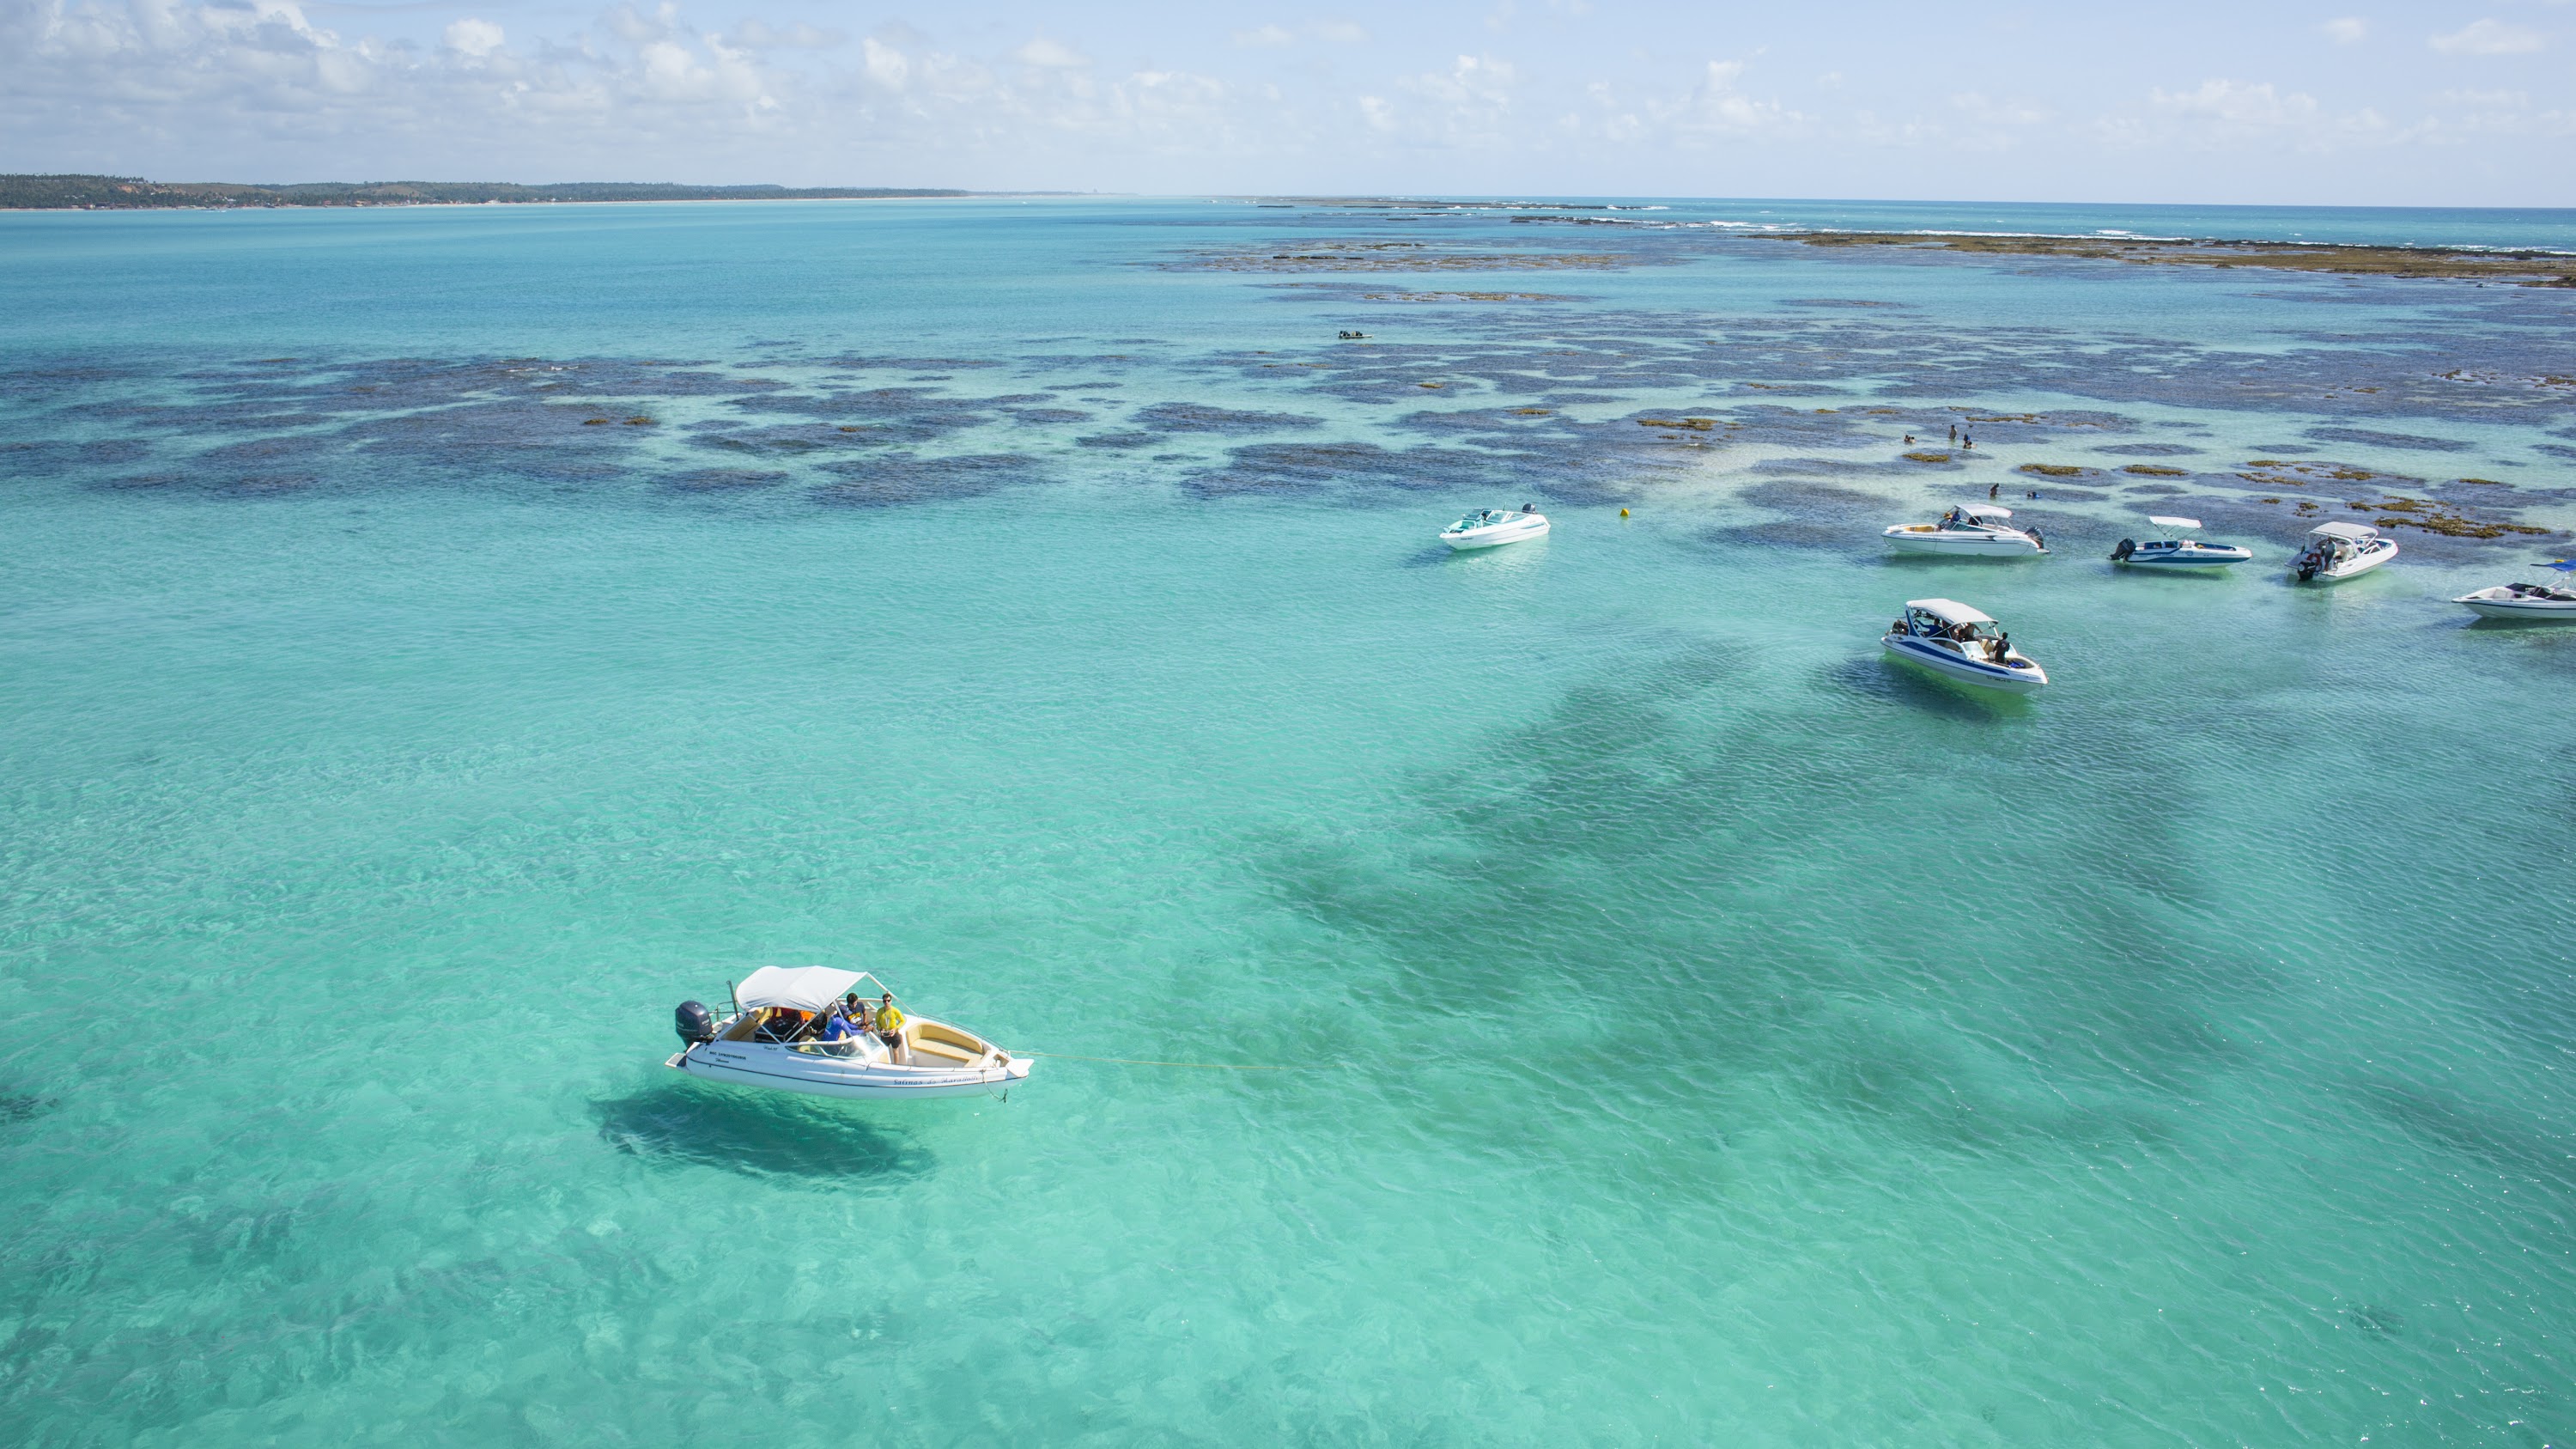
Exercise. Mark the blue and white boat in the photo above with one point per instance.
(1493, 527)
(1948, 637)
(2179, 552)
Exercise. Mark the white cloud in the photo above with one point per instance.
(2349, 30)
(1470, 80)
(636, 29)
(753, 34)
(886, 65)
(1050, 55)
(1267, 35)
(1341, 32)
(2488, 37)
(1979, 108)
(473, 37)
(1718, 107)
(2238, 104)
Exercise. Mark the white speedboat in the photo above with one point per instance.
(1947, 637)
(2338, 551)
(1493, 527)
(1969, 533)
(2523, 601)
(809, 1029)
(2177, 553)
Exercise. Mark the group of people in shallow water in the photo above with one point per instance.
(849, 1019)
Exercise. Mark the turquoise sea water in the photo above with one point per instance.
(1699, 1030)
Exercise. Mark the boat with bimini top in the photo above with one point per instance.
(1968, 532)
(1493, 527)
(810, 1029)
(1948, 637)
(2178, 552)
(2338, 551)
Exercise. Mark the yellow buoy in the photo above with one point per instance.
(1623, 513)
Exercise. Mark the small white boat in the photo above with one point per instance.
(2177, 553)
(2338, 551)
(808, 1029)
(2549, 602)
(1493, 527)
(1968, 532)
(1947, 637)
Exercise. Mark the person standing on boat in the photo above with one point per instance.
(890, 1023)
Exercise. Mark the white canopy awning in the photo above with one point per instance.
(2349, 532)
(799, 988)
(2169, 521)
(1948, 611)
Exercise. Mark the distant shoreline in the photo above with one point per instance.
(82, 192)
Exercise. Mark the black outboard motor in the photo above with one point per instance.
(2127, 547)
(694, 1024)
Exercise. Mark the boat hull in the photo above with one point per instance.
(1960, 545)
(2543, 611)
(1495, 537)
(751, 1064)
(2182, 562)
(1967, 671)
(2353, 568)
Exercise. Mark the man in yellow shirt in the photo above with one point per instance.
(890, 1025)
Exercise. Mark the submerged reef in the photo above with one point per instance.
(1398, 256)
(2520, 268)
(2436, 516)
(1562, 402)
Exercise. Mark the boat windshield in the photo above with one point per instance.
(1483, 518)
(1923, 623)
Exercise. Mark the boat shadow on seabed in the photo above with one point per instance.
(761, 1134)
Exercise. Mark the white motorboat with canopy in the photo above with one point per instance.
(812, 1029)
(1948, 637)
(1493, 527)
(1968, 532)
(2338, 551)
(2180, 552)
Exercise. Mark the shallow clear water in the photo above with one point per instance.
(1698, 1029)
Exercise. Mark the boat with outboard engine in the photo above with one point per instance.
(2537, 602)
(1494, 527)
(2338, 551)
(2177, 553)
(1948, 637)
(810, 1029)
(1968, 532)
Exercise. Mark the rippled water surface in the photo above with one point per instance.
(1690, 1028)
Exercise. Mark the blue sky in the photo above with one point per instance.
(2182, 102)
